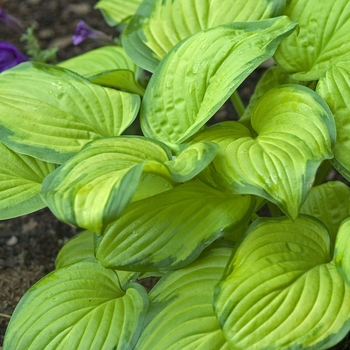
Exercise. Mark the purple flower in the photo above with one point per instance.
(12, 21)
(84, 31)
(10, 56)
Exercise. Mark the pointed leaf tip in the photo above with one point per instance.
(295, 132)
(200, 73)
(50, 113)
(93, 188)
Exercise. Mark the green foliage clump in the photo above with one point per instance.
(182, 200)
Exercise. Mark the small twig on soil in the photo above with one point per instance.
(5, 315)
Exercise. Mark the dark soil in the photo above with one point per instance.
(29, 244)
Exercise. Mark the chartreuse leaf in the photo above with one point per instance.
(50, 113)
(281, 289)
(82, 247)
(80, 306)
(295, 132)
(181, 314)
(330, 203)
(200, 74)
(320, 42)
(100, 60)
(119, 79)
(94, 187)
(159, 25)
(342, 249)
(108, 66)
(169, 230)
(192, 160)
(223, 134)
(20, 183)
(151, 184)
(334, 87)
(78, 248)
(117, 11)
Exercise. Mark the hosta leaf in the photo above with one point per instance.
(295, 132)
(151, 184)
(282, 291)
(100, 60)
(117, 11)
(50, 113)
(93, 188)
(334, 87)
(20, 183)
(181, 314)
(78, 307)
(321, 41)
(329, 203)
(192, 160)
(223, 134)
(200, 74)
(82, 247)
(159, 25)
(119, 79)
(342, 249)
(78, 248)
(108, 66)
(171, 229)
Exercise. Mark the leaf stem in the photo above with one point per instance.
(237, 103)
(5, 315)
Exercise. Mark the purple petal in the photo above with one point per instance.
(82, 32)
(10, 56)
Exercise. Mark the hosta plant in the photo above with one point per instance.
(185, 200)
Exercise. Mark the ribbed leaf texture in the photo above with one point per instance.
(282, 289)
